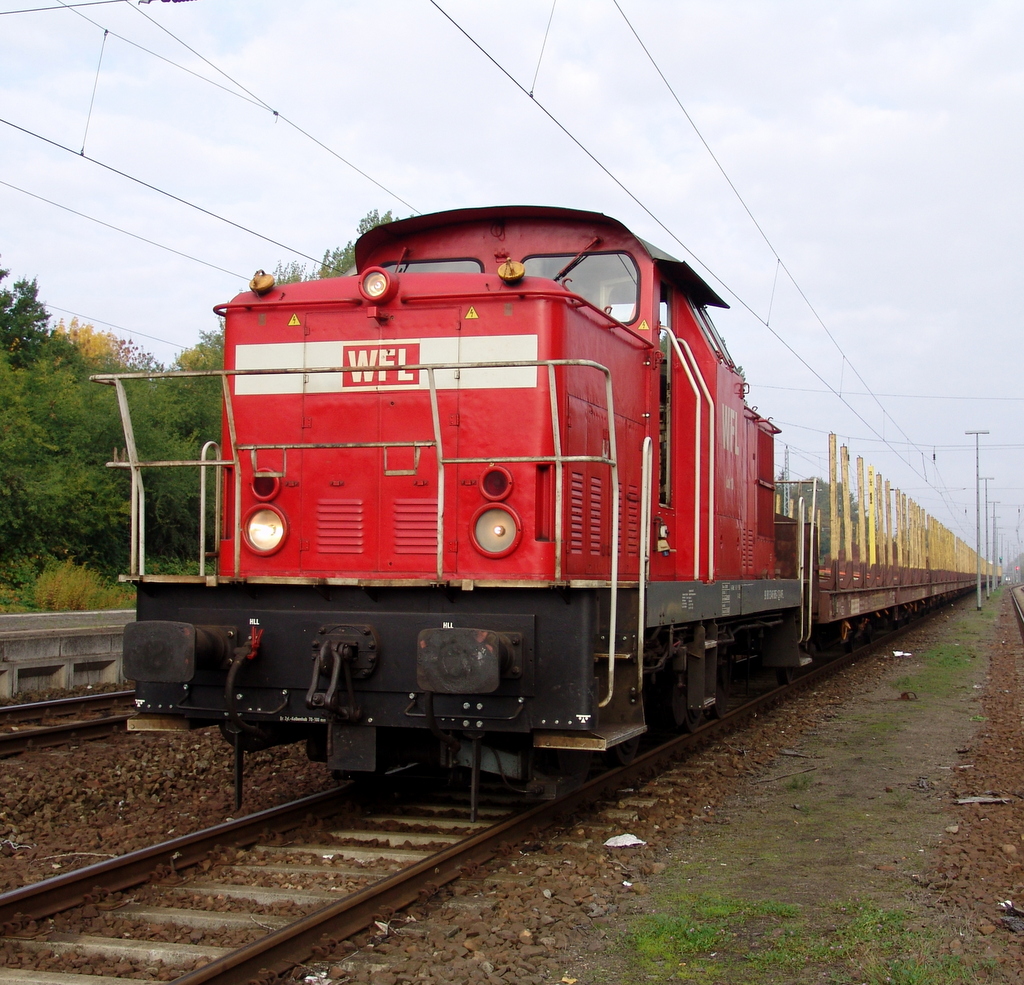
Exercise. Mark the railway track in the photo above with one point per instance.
(30, 725)
(252, 898)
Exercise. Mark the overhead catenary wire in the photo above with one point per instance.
(117, 328)
(240, 91)
(108, 225)
(61, 6)
(158, 189)
(895, 396)
(660, 223)
(95, 85)
(543, 45)
(779, 261)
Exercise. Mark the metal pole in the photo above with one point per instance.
(988, 562)
(998, 552)
(977, 508)
(988, 553)
(993, 572)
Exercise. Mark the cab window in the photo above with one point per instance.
(436, 266)
(609, 281)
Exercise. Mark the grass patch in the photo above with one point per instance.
(942, 671)
(710, 938)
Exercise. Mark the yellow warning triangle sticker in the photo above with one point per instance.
(644, 327)
(472, 312)
(294, 321)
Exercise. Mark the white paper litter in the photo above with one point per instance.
(623, 841)
(902, 653)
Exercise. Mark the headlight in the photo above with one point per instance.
(378, 285)
(496, 483)
(496, 531)
(265, 529)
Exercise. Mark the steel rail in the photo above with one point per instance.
(12, 743)
(28, 711)
(1017, 595)
(43, 899)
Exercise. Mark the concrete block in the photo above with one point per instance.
(6, 682)
(37, 677)
(88, 642)
(42, 647)
(23, 621)
(95, 672)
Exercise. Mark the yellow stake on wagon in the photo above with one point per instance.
(872, 546)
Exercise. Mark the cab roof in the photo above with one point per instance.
(677, 272)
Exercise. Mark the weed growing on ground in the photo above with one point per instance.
(711, 938)
(67, 586)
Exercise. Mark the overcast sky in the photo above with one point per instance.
(878, 146)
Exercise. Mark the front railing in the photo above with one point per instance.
(231, 460)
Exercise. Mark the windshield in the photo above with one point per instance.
(610, 281)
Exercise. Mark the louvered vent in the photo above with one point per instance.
(576, 513)
(632, 521)
(339, 526)
(596, 506)
(415, 526)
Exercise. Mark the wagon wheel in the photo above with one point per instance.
(685, 718)
(723, 687)
(785, 675)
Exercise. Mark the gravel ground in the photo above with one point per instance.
(726, 821)
(560, 909)
(72, 806)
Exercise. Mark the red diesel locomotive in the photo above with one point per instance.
(493, 501)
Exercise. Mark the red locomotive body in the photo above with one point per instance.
(493, 501)
(356, 453)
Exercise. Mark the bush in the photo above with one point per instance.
(68, 586)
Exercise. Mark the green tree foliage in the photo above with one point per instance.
(56, 498)
(24, 321)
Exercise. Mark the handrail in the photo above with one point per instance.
(210, 445)
(698, 430)
(801, 567)
(644, 572)
(614, 590)
(231, 460)
(807, 558)
(711, 453)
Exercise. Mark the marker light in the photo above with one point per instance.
(496, 483)
(264, 486)
(496, 531)
(265, 528)
(378, 286)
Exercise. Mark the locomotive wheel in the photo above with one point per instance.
(574, 766)
(625, 752)
(684, 717)
(785, 675)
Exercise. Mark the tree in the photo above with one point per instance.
(336, 262)
(23, 321)
(105, 350)
(207, 353)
